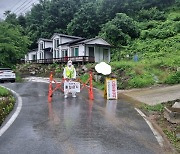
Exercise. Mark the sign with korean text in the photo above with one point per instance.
(111, 88)
(71, 86)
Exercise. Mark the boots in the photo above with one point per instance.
(74, 95)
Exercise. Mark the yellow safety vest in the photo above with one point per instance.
(69, 72)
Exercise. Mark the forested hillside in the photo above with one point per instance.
(148, 29)
(118, 21)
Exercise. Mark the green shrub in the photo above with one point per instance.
(173, 78)
(140, 81)
(151, 14)
(174, 16)
(4, 92)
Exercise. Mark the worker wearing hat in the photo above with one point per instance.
(69, 73)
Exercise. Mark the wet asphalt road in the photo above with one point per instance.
(75, 125)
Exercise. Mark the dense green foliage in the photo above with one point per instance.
(86, 17)
(85, 22)
(13, 45)
(120, 30)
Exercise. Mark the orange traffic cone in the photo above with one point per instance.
(91, 95)
(50, 87)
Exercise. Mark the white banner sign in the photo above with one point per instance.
(111, 89)
(71, 86)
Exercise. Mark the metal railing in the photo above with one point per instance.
(63, 60)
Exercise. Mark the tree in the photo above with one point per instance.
(49, 17)
(151, 14)
(13, 45)
(11, 17)
(85, 22)
(22, 21)
(120, 30)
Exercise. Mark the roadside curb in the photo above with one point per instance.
(15, 114)
(158, 133)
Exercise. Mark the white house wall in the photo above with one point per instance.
(98, 53)
(48, 44)
(55, 51)
(64, 47)
(39, 44)
(61, 40)
(30, 55)
(81, 49)
(87, 50)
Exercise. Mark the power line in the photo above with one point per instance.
(26, 8)
(25, 2)
(14, 6)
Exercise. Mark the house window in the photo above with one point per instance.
(56, 43)
(34, 57)
(41, 46)
(54, 53)
(91, 51)
(41, 55)
(105, 54)
(64, 53)
(72, 52)
(76, 52)
(58, 54)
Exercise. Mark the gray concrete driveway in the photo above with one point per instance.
(75, 125)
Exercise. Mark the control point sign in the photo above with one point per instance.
(110, 88)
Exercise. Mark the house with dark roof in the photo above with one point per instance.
(87, 50)
(61, 48)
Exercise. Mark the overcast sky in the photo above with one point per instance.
(16, 6)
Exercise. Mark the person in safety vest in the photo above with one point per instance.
(69, 73)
